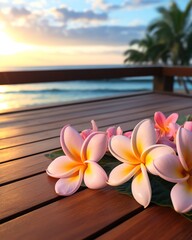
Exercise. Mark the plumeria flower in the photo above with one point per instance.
(188, 125)
(167, 127)
(111, 131)
(136, 155)
(80, 162)
(85, 133)
(178, 169)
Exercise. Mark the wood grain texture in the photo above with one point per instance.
(27, 193)
(84, 121)
(74, 217)
(25, 167)
(154, 223)
(30, 208)
(53, 143)
(15, 77)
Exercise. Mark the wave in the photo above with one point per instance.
(71, 91)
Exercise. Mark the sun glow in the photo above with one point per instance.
(8, 46)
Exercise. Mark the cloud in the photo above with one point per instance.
(69, 15)
(128, 4)
(17, 12)
(52, 27)
(104, 5)
(89, 36)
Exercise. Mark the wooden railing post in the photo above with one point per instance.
(163, 83)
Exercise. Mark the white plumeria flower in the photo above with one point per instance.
(80, 162)
(178, 169)
(137, 155)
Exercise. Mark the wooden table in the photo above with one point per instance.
(30, 208)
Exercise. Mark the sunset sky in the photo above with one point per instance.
(72, 32)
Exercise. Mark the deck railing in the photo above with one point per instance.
(163, 77)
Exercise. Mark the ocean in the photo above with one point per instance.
(26, 95)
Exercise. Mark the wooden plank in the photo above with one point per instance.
(177, 71)
(29, 149)
(53, 143)
(25, 167)
(55, 123)
(11, 131)
(153, 223)
(70, 107)
(37, 76)
(45, 107)
(84, 105)
(36, 116)
(74, 217)
(22, 195)
(85, 120)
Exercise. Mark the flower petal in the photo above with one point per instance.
(85, 133)
(141, 188)
(181, 196)
(94, 147)
(94, 126)
(143, 136)
(119, 131)
(127, 134)
(62, 167)
(171, 118)
(159, 119)
(71, 142)
(122, 173)
(68, 186)
(120, 148)
(170, 168)
(111, 131)
(173, 128)
(164, 140)
(95, 177)
(153, 152)
(188, 125)
(184, 148)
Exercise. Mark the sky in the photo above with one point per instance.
(72, 32)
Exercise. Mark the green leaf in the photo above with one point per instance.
(189, 117)
(182, 119)
(55, 154)
(160, 191)
(160, 188)
(108, 163)
(188, 216)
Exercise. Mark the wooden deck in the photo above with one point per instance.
(30, 209)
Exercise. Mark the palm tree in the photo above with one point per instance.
(174, 30)
(147, 52)
(168, 39)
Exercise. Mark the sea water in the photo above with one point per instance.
(24, 95)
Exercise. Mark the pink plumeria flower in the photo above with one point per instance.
(80, 162)
(128, 134)
(178, 169)
(85, 133)
(166, 126)
(111, 131)
(188, 125)
(136, 155)
(166, 141)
